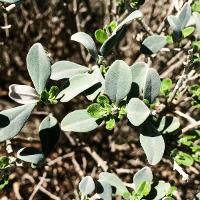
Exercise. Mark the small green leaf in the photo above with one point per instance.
(4, 162)
(110, 124)
(196, 6)
(169, 39)
(3, 182)
(101, 36)
(144, 188)
(166, 86)
(196, 156)
(102, 100)
(96, 110)
(183, 159)
(187, 31)
(113, 25)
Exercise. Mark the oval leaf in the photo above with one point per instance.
(114, 39)
(104, 190)
(78, 84)
(161, 190)
(66, 69)
(87, 185)
(144, 175)
(118, 81)
(38, 64)
(12, 120)
(134, 15)
(147, 79)
(168, 124)
(137, 111)
(23, 94)
(153, 44)
(87, 42)
(114, 181)
(49, 132)
(31, 155)
(78, 121)
(152, 143)
(184, 15)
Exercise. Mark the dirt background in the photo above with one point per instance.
(52, 23)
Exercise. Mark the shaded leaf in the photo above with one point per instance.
(118, 81)
(168, 124)
(23, 94)
(114, 181)
(137, 111)
(38, 64)
(152, 143)
(161, 189)
(78, 121)
(144, 175)
(106, 192)
(153, 44)
(78, 84)
(134, 15)
(113, 40)
(49, 132)
(31, 155)
(147, 79)
(13, 120)
(96, 110)
(66, 69)
(87, 42)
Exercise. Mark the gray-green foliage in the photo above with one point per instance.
(78, 121)
(13, 120)
(141, 187)
(179, 22)
(118, 81)
(38, 65)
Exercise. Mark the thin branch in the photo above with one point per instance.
(37, 187)
(49, 194)
(145, 26)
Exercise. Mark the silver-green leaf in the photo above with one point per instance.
(23, 94)
(114, 181)
(78, 84)
(87, 42)
(153, 44)
(78, 121)
(39, 66)
(31, 155)
(118, 80)
(147, 79)
(145, 174)
(66, 69)
(137, 111)
(12, 120)
(87, 185)
(152, 143)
